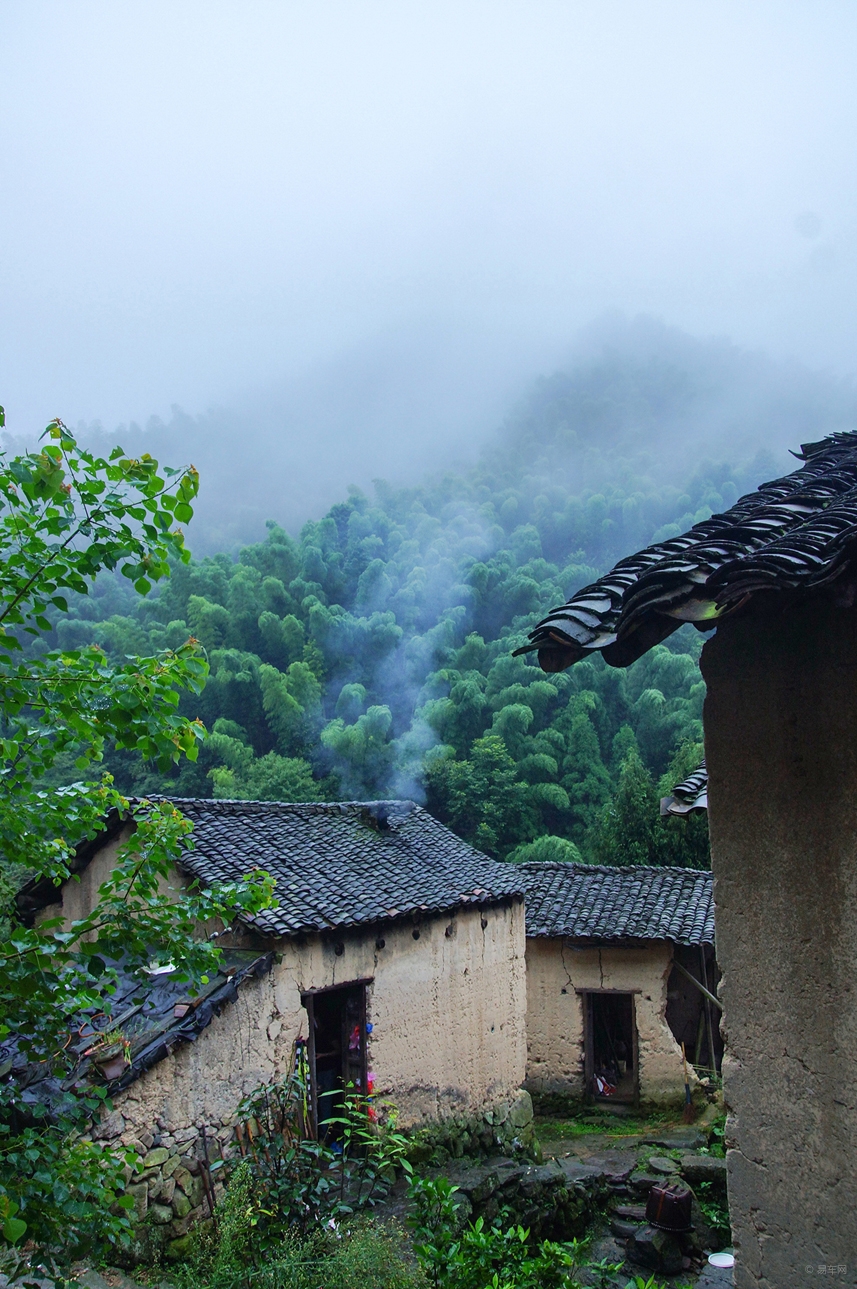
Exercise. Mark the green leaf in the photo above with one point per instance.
(14, 1229)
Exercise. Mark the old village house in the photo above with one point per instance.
(777, 575)
(396, 952)
(615, 959)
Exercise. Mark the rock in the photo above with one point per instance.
(111, 1126)
(186, 1134)
(168, 1187)
(171, 1165)
(642, 1183)
(631, 1212)
(181, 1204)
(656, 1250)
(679, 1139)
(478, 1184)
(623, 1230)
(660, 1164)
(715, 1278)
(705, 1235)
(179, 1248)
(703, 1168)
(586, 1176)
(533, 1181)
(140, 1196)
(604, 1247)
(616, 1165)
(521, 1111)
(156, 1157)
(160, 1214)
(196, 1191)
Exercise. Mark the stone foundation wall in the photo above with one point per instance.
(169, 1185)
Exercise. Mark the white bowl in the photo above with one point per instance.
(721, 1259)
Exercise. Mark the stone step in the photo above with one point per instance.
(630, 1212)
(661, 1164)
(703, 1168)
(624, 1230)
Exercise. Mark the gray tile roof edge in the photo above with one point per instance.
(411, 917)
(539, 927)
(791, 537)
(33, 897)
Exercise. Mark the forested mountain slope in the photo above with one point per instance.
(372, 656)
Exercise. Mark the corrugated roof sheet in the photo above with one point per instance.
(341, 864)
(590, 901)
(794, 535)
(690, 795)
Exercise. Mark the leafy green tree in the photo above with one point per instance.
(546, 850)
(66, 515)
(413, 600)
(626, 831)
(482, 797)
(241, 776)
(361, 755)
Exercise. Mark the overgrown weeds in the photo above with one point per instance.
(365, 1253)
(301, 1184)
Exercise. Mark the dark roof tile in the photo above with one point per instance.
(591, 901)
(341, 864)
(690, 795)
(794, 535)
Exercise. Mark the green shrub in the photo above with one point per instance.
(480, 1256)
(300, 1184)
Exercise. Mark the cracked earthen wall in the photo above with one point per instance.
(447, 1010)
(781, 747)
(556, 969)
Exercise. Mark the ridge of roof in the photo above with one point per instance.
(795, 535)
(615, 902)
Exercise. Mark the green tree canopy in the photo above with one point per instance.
(65, 516)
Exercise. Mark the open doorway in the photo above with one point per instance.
(610, 1046)
(337, 1051)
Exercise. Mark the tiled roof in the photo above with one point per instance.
(155, 1013)
(341, 864)
(590, 901)
(794, 535)
(690, 795)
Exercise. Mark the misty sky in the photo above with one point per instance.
(416, 206)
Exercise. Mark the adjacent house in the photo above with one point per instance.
(777, 576)
(395, 956)
(615, 959)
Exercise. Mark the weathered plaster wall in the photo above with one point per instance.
(781, 744)
(556, 969)
(447, 1011)
(80, 893)
(448, 1016)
